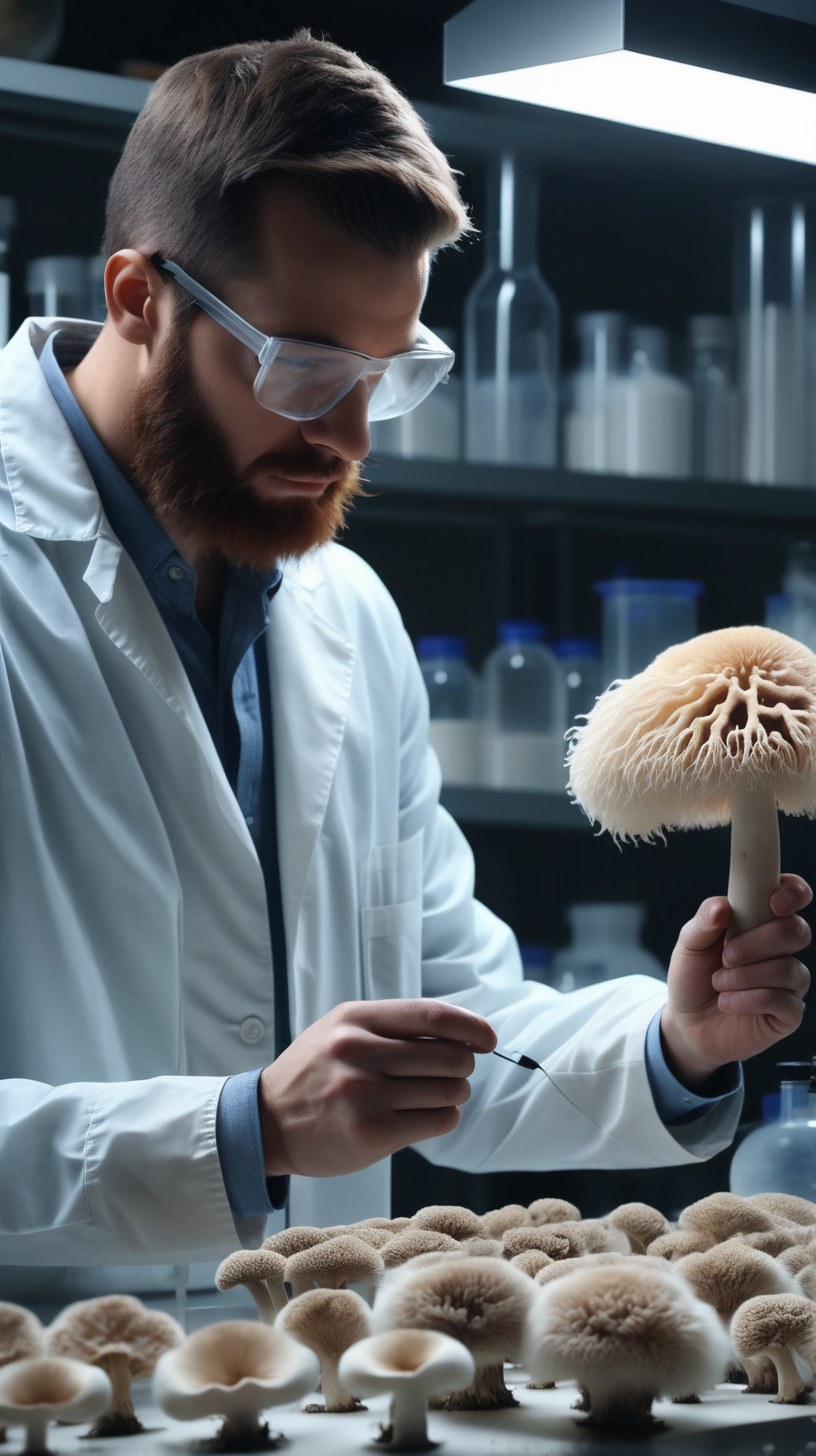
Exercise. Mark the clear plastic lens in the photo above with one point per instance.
(304, 381)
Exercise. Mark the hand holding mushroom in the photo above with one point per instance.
(720, 728)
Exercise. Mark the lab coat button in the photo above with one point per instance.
(175, 573)
(252, 1029)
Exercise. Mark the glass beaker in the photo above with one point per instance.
(586, 416)
(781, 1156)
(512, 332)
(642, 618)
(649, 419)
(715, 402)
(525, 712)
(455, 700)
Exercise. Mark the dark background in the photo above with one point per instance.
(628, 220)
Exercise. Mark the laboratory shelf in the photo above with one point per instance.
(68, 106)
(530, 487)
(515, 807)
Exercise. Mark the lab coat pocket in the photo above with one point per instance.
(392, 920)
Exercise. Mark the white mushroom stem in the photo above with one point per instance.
(791, 1384)
(754, 855)
(36, 1429)
(335, 1395)
(264, 1303)
(408, 1418)
(278, 1298)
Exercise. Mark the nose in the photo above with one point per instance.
(344, 430)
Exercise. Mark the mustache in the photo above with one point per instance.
(309, 465)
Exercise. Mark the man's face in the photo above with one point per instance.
(230, 474)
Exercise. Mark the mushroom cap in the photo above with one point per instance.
(431, 1362)
(327, 1320)
(483, 1248)
(641, 1223)
(730, 1273)
(448, 1218)
(482, 1302)
(663, 750)
(61, 1388)
(776, 1241)
(412, 1242)
(805, 1281)
(498, 1220)
(21, 1334)
(772, 1321)
(292, 1240)
(438, 1256)
(786, 1205)
(249, 1264)
(630, 1326)
(552, 1210)
(234, 1368)
(376, 1238)
(676, 1245)
(375, 1223)
(562, 1267)
(797, 1257)
(344, 1259)
(725, 1214)
(558, 1245)
(114, 1324)
(530, 1261)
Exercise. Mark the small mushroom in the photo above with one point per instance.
(376, 1238)
(39, 1389)
(448, 1218)
(776, 1241)
(674, 1246)
(627, 1333)
(499, 1220)
(438, 1256)
(333, 1265)
(399, 1225)
(797, 1257)
(787, 1205)
(482, 1302)
(728, 1275)
(530, 1261)
(328, 1321)
(555, 1245)
(21, 1337)
(772, 1326)
(412, 1242)
(411, 1365)
(261, 1271)
(562, 1267)
(483, 1248)
(235, 1369)
(720, 728)
(292, 1240)
(117, 1333)
(378, 1223)
(552, 1210)
(724, 1215)
(641, 1223)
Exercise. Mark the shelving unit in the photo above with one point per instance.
(474, 805)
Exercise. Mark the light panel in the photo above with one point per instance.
(667, 96)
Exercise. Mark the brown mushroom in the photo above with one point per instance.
(641, 1224)
(720, 728)
(376, 1223)
(531, 1260)
(725, 1277)
(376, 1238)
(723, 1215)
(261, 1271)
(771, 1327)
(412, 1242)
(556, 1245)
(329, 1321)
(676, 1245)
(806, 1281)
(797, 1256)
(483, 1248)
(292, 1240)
(499, 1220)
(448, 1218)
(333, 1265)
(787, 1205)
(776, 1241)
(36, 1389)
(552, 1210)
(119, 1335)
(21, 1337)
(482, 1302)
(562, 1267)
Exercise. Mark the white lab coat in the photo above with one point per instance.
(135, 943)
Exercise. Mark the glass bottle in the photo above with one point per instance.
(580, 661)
(649, 411)
(525, 712)
(641, 618)
(605, 945)
(715, 422)
(586, 416)
(434, 429)
(780, 1157)
(799, 582)
(455, 700)
(512, 332)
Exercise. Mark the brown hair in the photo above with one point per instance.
(217, 125)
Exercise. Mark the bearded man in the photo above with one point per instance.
(239, 939)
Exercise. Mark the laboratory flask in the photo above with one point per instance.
(455, 701)
(512, 331)
(641, 618)
(586, 396)
(780, 1157)
(525, 712)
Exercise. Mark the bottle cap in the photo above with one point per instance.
(641, 586)
(585, 648)
(442, 645)
(511, 633)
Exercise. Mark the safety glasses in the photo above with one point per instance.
(303, 381)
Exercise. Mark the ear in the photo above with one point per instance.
(137, 297)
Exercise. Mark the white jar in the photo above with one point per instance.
(605, 945)
(525, 712)
(649, 411)
(454, 698)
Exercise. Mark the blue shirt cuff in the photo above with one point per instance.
(675, 1104)
(240, 1150)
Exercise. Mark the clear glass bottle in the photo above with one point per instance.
(525, 712)
(649, 411)
(605, 945)
(580, 661)
(641, 618)
(586, 405)
(780, 1157)
(455, 699)
(715, 422)
(799, 582)
(775, 286)
(512, 332)
(434, 429)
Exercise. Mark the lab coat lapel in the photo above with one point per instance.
(310, 668)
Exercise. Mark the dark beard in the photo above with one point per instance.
(181, 462)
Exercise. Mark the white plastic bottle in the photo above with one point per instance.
(580, 660)
(455, 699)
(649, 411)
(525, 712)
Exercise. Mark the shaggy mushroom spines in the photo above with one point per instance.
(333, 1264)
(328, 1321)
(119, 1335)
(772, 1327)
(261, 1271)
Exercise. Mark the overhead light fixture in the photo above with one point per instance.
(719, 71)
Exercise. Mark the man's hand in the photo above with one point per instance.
(731, 998)
(369, 1078)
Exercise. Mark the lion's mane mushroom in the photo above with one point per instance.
(333, 1265)
(787, 1205)
(376, 1238)
(771, 1326)
(797, 1256)
(641, 1224)
(627, 1333)
(530, 1261)
(39, 1389)
(328, 1321)
(117, 1333)
(563, 1267)
(292, 1240)
(724, 1215)
(448, 1218)
(483, 1248)
(235, 1369)
(552, 1210)
(720, 728)
(676, 1245)
(546, 1241)
(482, 1302)
(806, 1281)
(413, 1242)
(777, 1241)
(261, 1271)
(21, 1337)
(498, 1220)
(728, 1275)
(410, 1365)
